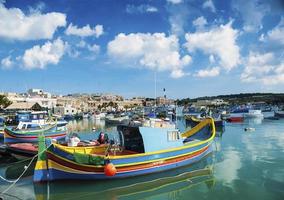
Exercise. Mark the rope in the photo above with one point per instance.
(26, 168)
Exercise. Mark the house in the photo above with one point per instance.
(16, 106)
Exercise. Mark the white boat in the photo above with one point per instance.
(253, 114)
(99, 116)
(158, 123)
(111, 119)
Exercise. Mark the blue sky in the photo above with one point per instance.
(195, 48)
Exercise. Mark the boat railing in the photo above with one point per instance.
(198, 127)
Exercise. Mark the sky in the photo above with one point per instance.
(191, 48)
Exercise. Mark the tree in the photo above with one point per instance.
(4, 101)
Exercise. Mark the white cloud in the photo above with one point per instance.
(199, 22)
(178, 17)
(152, 51)
(175, 1)
(94, 48)
(40, 6)
(210, 5)
(211, 59)
(263, 68)
(81, 44)
(276, 35)
(252, 13)
(219, 41)
(14, 24)
(143, 8)
(152, 9)
(85, 31)
(215, 71)
(7, 63)
(40, 56)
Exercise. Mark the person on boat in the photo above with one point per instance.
(103, 138)
(73, 140)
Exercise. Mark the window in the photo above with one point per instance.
(173, 135)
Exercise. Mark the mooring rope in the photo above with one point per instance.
(25, 167)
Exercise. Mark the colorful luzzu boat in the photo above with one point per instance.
(144, 150)
(193, 121)
(30, 135)
(1, 133)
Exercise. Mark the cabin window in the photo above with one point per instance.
(173, 135)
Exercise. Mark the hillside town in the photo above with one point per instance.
(75, 104)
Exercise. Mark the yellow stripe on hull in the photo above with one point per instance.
(82, 150)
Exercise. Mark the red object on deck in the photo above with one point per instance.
(25, 147)
(236, 119)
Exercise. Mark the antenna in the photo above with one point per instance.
(155, 76)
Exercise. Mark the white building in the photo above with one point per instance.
(46, 102)
(65, 110)
(38, 92)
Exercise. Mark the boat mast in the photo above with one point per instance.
(155, 76)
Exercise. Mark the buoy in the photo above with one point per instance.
(249, 129)
(110, 169)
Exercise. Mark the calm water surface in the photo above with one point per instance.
(244, 165)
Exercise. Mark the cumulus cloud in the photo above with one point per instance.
(40, 56)
(85, 31)
(81, 44)
(178, 17)
(215, 71)
(219, 41)
(276, 35)
(263, 68)
(143, 8)
(252, 13)
(209, 5)
(14, 24)
(152, 51)
(175, 1)
(199, 22)
(7, 63)
(94, 48)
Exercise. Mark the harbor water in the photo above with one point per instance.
(243, 165)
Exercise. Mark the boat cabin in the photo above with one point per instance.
(148, 139)
(158, 123)
(28, 126)
(31, 116)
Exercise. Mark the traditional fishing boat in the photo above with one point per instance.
(2, 122)
(1, 133)
(29, 133)
(116, 120)
(141, 150)
(28, 150)
(193, 121)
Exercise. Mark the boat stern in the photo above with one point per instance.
(41, 167)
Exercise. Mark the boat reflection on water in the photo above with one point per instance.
(139, 187)
(85, 125)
